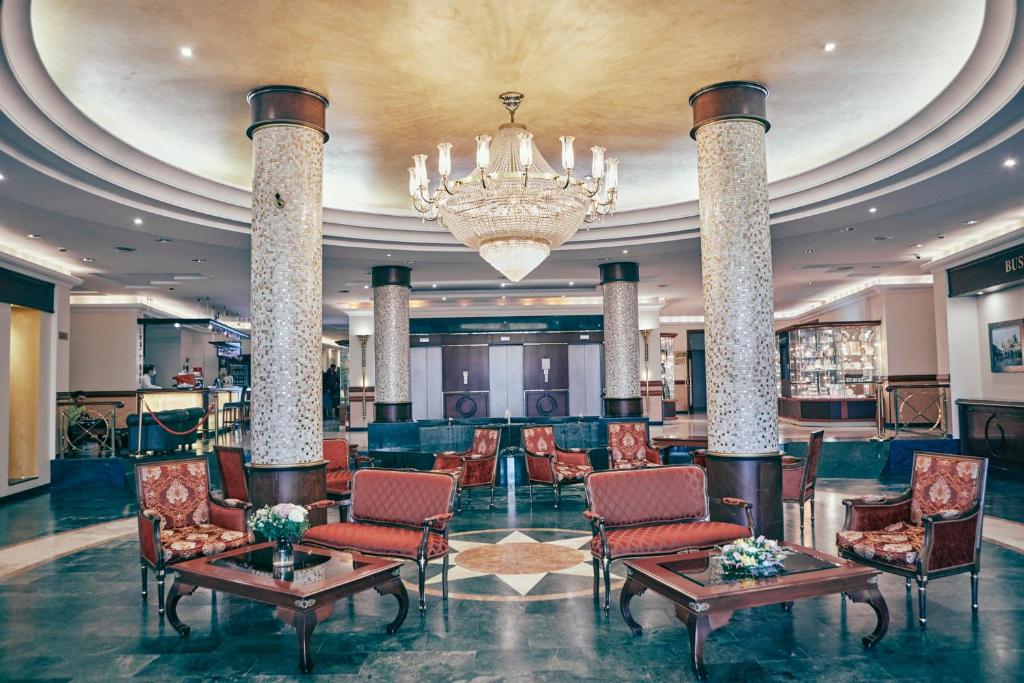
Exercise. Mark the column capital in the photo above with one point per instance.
(391, 275)
(287, 104)
(620, 271)
(729, 100)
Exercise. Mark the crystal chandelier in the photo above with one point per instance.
(513, 207)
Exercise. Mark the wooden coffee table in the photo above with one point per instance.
(705, 600)
(304, 595)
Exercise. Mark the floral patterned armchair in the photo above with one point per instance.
(476, 467)
(179, 519)
(628, 447)
(799, 476)
(930, 531)
(547, 464)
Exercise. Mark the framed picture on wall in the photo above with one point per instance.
(1004, 346)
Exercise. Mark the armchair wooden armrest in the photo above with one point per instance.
(739, 503)
(437, 521)
(652, 454)
(951, 538)
(324, 504)
(149, 535)
(573, 456)
(593, 516)
(231, 503)
(230, 513)
(875, 512)
(792, 463)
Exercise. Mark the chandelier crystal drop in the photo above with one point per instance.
(513, 208)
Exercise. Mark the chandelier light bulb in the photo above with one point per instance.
(568, 158)
(420, 160)
(526, 150)
(597, 162)
(483, 151)
(612, 173)
(444, 159)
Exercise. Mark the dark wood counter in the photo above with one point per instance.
(993, 429)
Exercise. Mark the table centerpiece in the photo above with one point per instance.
(283, 524)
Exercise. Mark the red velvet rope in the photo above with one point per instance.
(171, 431)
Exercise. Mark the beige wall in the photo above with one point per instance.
(102, 349)
(24, 392)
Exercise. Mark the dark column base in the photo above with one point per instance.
(392, 412)
(756, 479)
(301, 484)
(623, 407)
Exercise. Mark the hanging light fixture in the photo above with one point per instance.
(513, 207)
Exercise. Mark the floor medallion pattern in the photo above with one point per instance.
(510, 565)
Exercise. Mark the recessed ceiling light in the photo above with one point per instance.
(970, 221)
(408, 263)
(502, 284)
(162, 240)
(808, 251)
(177, 324)
(198, 260)
(62, 249)
(137, 221)
(185, 51)
(829, 47)
(1010, 163)
(916, 246)
(389, 255)
(124, 250)
(848, 228)
(343, 291)
(34, 236)
(625, 251)
(810, 283)
(571, 283)
(170, 289)
(873, 209)
(434, 286)
(366, 286)
(503, 296)
(881, 238)
(87, 259)
(444, 298)
(1, 176)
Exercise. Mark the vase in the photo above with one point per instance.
(284, 555)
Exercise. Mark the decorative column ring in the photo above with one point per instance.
(729, 125)
(619, 285)
(391, 286)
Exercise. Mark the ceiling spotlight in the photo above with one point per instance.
(830, 47)
(177, 324)
(87, 259)
(1010, 163)
(873, 209)
(810, 283)
(1, 176)
(389, 255)
(444, 298)
(881, 238)
(625, 251)
(808, 251)
(62, 249)
(571, 283)
(366, 286)
(917, 246)
(124, 250)
(209, 326)
(170, 289)
(137, 221)
(198, 260)
(502, 284)
(185, 51)
(970, 221)
(34, 236)
(848, 228)
(503, 297)
(162, 240)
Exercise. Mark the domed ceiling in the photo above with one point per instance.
(403, 76)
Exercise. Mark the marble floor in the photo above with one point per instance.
(520, 609)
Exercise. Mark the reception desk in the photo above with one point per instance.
(212, 400)
(993, 429)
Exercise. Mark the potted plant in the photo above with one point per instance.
(283, 524)
(757, 557)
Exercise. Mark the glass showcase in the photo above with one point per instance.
(837, 360)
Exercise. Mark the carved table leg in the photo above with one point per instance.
(178, 590)
(699, 626)
(629, 589)
(397, 588)
(304, 621)
(874, 598)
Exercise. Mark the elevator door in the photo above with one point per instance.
(506, 377)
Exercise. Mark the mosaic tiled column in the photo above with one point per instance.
(391, 343)
(619, 282)
(729, 126)
(288, 135)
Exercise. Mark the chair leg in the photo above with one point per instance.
(160, 574)
(597, 577)
(802, 519)
(529, 487)
(812, 511)
(558, 495)
(421, 564)
(458, 500)
(607, 583)
(922, 599)
(974, 591)
(145, 580)
(491, 506)
(908, 584)
(444, 578)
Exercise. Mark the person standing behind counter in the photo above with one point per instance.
(148, 373)
(224, 379)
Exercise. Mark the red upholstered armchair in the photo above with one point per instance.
(179, 519)
(231, 463)
(548, 464)
(800, 474)
(628, 447)
(476, 467)
(395, 513)
(931, 530)
(653, 511)
(339, 476)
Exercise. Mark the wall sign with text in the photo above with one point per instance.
(1000, 270)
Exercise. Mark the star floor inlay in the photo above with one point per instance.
(517, 565)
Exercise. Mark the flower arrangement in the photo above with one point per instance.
(284, 521)
(753, 556)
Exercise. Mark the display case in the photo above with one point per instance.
(668, 375)
(827, 371)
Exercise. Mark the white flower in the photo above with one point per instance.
(297, 514)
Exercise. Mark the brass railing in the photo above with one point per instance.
(920, 408)
(98, 425)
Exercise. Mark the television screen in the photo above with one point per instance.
(229, 349)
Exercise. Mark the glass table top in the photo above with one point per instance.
(309, 567)
(708, 570)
